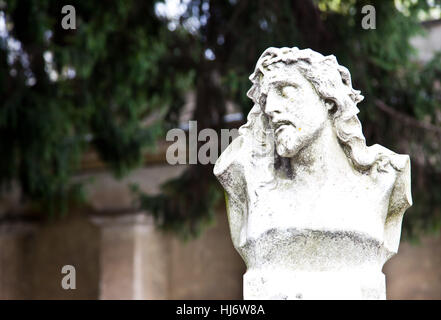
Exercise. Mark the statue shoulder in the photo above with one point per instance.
(229, 167)
(392, 170)
(400, 200)
(230, 172)
(401, 197)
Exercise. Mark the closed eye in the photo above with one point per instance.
(285, 89)
(288, 91)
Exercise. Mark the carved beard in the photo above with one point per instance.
(288, 141)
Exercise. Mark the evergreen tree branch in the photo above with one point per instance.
(405, 119)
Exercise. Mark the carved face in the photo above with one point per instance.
(295, 111)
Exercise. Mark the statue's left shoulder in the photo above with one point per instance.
(401, 197)
(400, 200)
(393, 172)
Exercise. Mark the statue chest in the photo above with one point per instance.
(358, 207)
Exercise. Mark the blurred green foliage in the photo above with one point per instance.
(133, 66)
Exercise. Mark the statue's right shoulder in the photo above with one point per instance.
(229, 168)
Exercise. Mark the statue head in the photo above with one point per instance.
(296, 93)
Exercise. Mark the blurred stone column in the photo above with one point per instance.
(133, 258)
(16, 238)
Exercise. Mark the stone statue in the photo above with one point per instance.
(313, 211)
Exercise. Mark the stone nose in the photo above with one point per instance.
(272, 106)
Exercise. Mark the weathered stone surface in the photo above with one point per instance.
(313, 211)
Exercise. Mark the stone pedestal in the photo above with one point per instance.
(299, 264)
(288, 284)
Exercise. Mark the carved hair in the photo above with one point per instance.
(332, 82)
